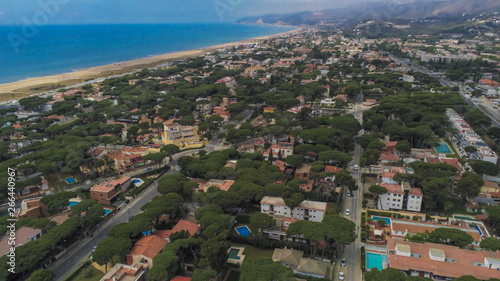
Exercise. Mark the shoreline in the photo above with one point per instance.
(37, 85)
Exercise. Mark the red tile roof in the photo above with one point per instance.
(389, 157)
(190, 227)
(463, 265)
(332, 169)
(109, 185)
(393, 188)
(148, 246)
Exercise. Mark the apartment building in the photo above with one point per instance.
(182, 136)
(441, 262)
(401, 196)
(107, 192)
(467, 137)
(307, 210)
(282, 149)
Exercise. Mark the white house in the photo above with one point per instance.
(400, 196)
(307, 210)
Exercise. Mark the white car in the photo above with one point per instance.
(341, 276)
(93, 249)
(347, 212)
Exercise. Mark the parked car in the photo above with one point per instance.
(349, 193)
(341, 276)
(347, 212)
(356, 167)
(93, 249)
(342, 262)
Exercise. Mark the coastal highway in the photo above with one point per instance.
(81, 251)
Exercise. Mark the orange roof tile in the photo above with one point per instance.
(148, 246)
(190, 227)
(463, 265)
(332, 169)
(393, 188)
(109, 185)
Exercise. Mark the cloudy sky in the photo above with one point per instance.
(18, 12)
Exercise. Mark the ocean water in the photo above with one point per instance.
(55, 49)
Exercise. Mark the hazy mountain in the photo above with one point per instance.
(383, 10)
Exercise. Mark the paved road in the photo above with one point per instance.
(352, 253)
(486, 108)
(81, 251)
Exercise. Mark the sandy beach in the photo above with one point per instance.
(19, 89)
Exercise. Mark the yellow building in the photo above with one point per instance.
(182, 136)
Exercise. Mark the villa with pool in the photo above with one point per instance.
(107, 192)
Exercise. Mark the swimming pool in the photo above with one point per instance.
(464, 218)
(243, 231)
(443, 148)
(477, 228)
(375, 261)
(387, 220)
(69, 180)
(233, 254)
(107, 211)
(137, 181)
(73, 203)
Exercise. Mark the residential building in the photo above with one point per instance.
(400, 196)
(307, 210)
(182, 136)
(107, 192)
(401, 228)
(204, 105)
(467, 137)
(145, 250)
(123, 272)
(294, 260)
(22, 236)
(182, 225)
(288, 257)
(303, 171)
(32, 208)
(223, 185)
(441, 262)
(314, 268)
(281, 150)
(269, 109)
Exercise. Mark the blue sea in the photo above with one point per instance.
(56, 49)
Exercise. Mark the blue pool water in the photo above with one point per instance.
(464, 218)
(72, 203)
(243, 231)
(387, 220)
(375, 261)
(69, 180)
(477, 228)
(107, 211)
(443, 148)
(233, 254)
(137, 181)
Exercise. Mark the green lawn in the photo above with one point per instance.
(234, 276)
(88, 274)
(254, 252)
